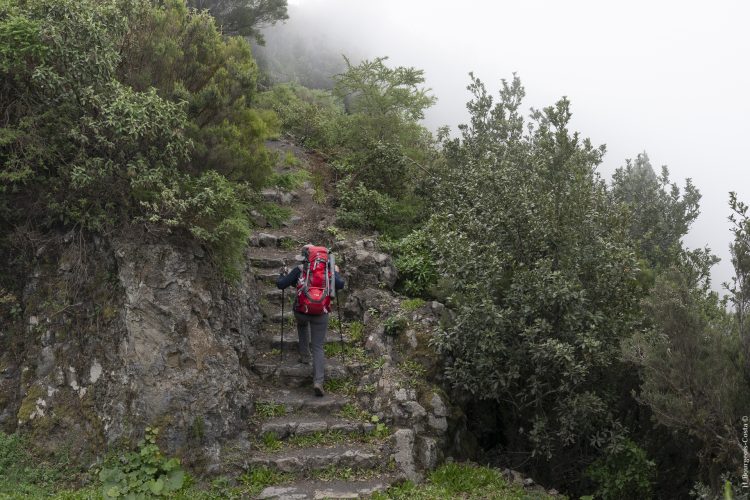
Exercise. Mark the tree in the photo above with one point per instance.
(660, 214)
(739, 288)
(130, 138)
(245, 17)
(692, 378)
(541, 274)
(182, 54)
(385, 102)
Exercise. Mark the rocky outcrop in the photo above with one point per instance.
(133, 334)
(364, 265)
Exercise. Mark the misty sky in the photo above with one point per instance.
(667, 77)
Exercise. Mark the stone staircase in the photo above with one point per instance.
(324, 447)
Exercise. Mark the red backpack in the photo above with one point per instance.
(315, 282)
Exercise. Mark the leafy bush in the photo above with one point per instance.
(143, 473)
(314, 117)
(160, 130)
(361, 207)
(624, 472)
(542, 272)
(183, 54)
(414, 259)
(212, 208)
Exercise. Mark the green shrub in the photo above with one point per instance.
(314, 117)
(623, 472)
(395, 325)
(414, 260)
(364, 208)
(213, 209)
(143, 473)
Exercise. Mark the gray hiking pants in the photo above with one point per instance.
(312, 330)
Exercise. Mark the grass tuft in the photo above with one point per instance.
(275, 215)
(409, 305)
(268, 409)
(466, 481)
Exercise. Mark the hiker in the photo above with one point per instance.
(312, 305)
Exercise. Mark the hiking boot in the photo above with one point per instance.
(304, 359)
(318, 388)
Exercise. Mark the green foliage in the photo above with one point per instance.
(542, 274)
(456, 480)
(212, 208)
(409, 305)
(739, 288)
(160, 129)
(381, 430)
(258, 478)
(352, 412)
(690, 359)
(289, 181)
(270, 409)
(623, 472)
(290, 160)
(394, 326)
(414, 259)
(143, 473)
(246, 18)
(313, 117)
(660, 215)
(356, 331)
(384, 100)
(270, 442)
(361, 207)
(274, 214)
(183, 55)
(343, 385)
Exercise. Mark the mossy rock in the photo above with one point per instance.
(29, 402)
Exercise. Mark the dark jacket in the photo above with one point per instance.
(285, 280)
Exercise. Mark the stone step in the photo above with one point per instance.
(267, 277)
(272, 314)
(290, 373)
(303, 425)
(274, 195)
(303, 400)
(310, 459)
(267, 262)
(291, 340)
(273, 298)
(326, 489)
(265, 240)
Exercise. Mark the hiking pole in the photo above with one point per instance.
(281, 346)
(332, 276)
(341, 332)
(284, 271)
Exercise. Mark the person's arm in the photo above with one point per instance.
(285, 280)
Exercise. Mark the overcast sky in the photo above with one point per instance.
(667, 77)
